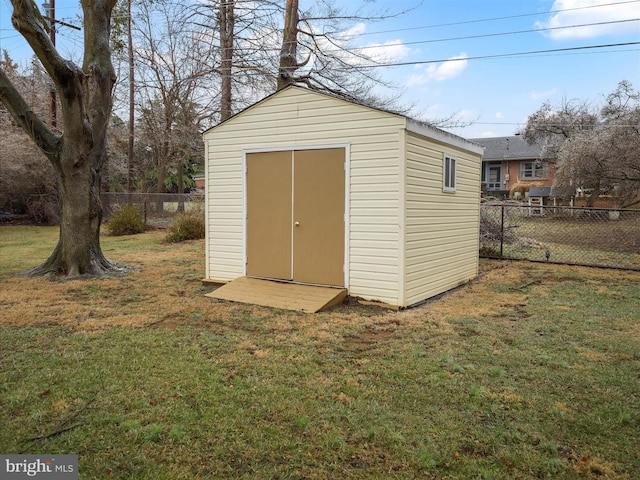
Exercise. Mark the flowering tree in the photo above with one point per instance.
(598, 150)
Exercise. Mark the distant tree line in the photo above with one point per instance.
(153, 75)
(191, 64)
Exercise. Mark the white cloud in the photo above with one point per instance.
(439, 72)
(350, 33)
(575, 13)
(449, 69)
(387, 52)
(416, 80)
(499, 115)
(390, 51)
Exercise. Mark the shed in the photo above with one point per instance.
(307, 188)
(538, 199)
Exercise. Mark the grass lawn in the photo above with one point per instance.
(531, 371)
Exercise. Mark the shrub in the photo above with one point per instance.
(523, 188)
(186, 226)
(127, 220)
(491, 227)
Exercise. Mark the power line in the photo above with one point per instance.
(500, 55)
(573, 50)
(356, 50)
(517, 32)
(588, 50)
(596, 125)
(466, 22)
(472, 37)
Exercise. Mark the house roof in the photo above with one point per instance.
(412, 125)
(508, 148)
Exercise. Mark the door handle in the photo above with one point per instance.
(297, 224)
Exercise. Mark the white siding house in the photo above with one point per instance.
(410, 192)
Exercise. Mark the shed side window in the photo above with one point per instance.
(449, 181)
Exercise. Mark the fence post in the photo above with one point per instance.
(501, 228)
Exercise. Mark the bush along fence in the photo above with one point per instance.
(576, 236)
(156, 208)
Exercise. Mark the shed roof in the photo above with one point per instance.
(514, 147)
(540, 192)
(412, 125)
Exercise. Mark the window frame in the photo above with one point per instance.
(449, 173)
(542, 170)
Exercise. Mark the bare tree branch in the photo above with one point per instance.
(22, 113)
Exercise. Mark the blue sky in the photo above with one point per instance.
(498, 93)
(68, 41)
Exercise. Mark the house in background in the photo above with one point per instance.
(307, 188)
(511, 161)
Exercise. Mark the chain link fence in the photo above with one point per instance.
(576, 236)
(603, 237)
(158, 209)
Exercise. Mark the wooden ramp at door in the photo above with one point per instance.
(287, 296)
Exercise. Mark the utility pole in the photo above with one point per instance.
(130, 165)
(50, 8)
(53, 107)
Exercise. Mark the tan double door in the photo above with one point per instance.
(295, 215)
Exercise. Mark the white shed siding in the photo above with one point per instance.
(441, 229)
(225, 220)
(296, 118)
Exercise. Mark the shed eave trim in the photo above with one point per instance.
(437, 134)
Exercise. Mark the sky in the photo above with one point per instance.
(68, 40)
(498, 94)
(467, 57)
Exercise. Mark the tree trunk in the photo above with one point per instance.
(78, 251)
(162, 170)
(180, 184)
(593, 196)
(226, 21)
(130, 170)
(78, 155)
(289, 50)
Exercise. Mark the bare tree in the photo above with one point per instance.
(619, 133)
(226, 22)
(289, 51)
(77, 155)
(247, 36)
(175, 64)
(597, 150)
(315, 52)
(273, 43)
(553, 125)
(27, 183)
